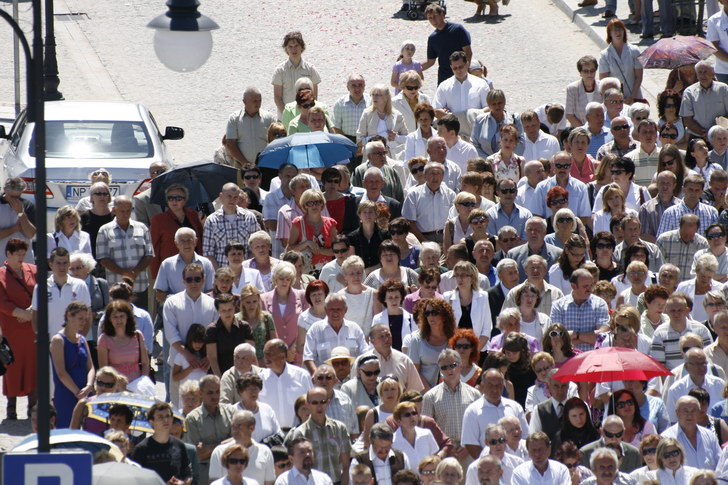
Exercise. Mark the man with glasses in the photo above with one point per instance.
(144, 209)
(578, 194)
(333, 331)
(631, 232)
(622, 143)
(613, 432)
(459, 93)
(716, 236)
(252, 177)
(426, 206)
(180, 311)
(614, 107)
(700, 444)
(506, 212)
(329, 437)
(696, 365)
(650, 213)
(340, 405)
(646, 156)
(282, 382)
(666, 347)
(391, 361)
(489, 408)
(536, 269)
(378, 188)
(331, 272)
(260, 464)
(447, 401)
(247, 129)
(376, 154)
(496, 444)
(535, 244)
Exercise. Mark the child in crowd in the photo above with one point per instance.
(182, 370)
(405, 62)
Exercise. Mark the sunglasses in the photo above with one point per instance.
(507, 191)
(447, 367)
(107, 385)
(668, 162)
(316, 403)
(620, 127)
(283, 466)
(479, 220)
(556, 333)
(624, 404)
(670, 105)
(671, 454)
(101, 194)
(432, 313)
(613, 435)
(410, 414)
(237, 461)
(463, 346)
(412, 88)
(370, 373)
(649, 451)
(562, 165)
(562, 220)
(604, 246)
(325, 378)
(158, 172)
(398, 232)
(468, 204)
(340, 251)
(251, 177)
(559, 201)
(313, 203)
(617, 171)
(671, 136)
(419, 169)
(715, 235)
(571, 465)
(196, 279)
(176, 198)
(498, 441)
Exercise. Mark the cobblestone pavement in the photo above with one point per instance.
(105, 52)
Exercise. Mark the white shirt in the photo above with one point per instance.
(479, 414)
(321, 340)
(180, 312)
(460, 153)
(536, 396)
(80, 241)
(714, 386)
(260, 464)
(461, 96)
(535, 424)
(382, 468)
(717, 31)
(428, 209)
(249, 276)
(425, 445)
(705, 454)
(266, 422)
(280, 392)
(59, 298)
(224, 481)
(526, 474)
(508, 462)
(632, 201)
(665, 477)
(295, 477)
(526, 197)
(328, 275)
(545, 146)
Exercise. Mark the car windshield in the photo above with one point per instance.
(96, 139)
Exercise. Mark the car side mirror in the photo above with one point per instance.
(173, 133)
(3, 133)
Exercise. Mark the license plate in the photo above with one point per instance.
(76, 192)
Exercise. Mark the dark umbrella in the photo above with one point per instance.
(674, 52)
(317, 149)
(203, 179)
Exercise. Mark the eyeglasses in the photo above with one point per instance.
(649, 451)
(479, 220)
(396, 232)
(325, 378)
(507, 191)
(370, 373)
(447, 367)
(613, 435)
(615, 101)
(559, 201)
(556, 333)
(101, 194)
(505, 240)
(670, 105)
(623, 404)
(571, 465)
(158, 172)
(498, 441)
(317, 403)
(415, 170)
(427, 472)
(252, 177)
(463, 346)
(620, 127)
(410, 414)
(604, 246)
(671, 454)
(671, 136)
(107, 385)
(340, 251)
(339, 363)
(543, 369)
(562, 165)
(715, 235)
(176, 198)
(237, 461)
(617, 171)
(314, 203)
(432, 313)
(412, 88)
(562, 220)
(195, 279)
(469, 204)
(282, 466)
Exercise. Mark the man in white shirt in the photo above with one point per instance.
(461, 92)
(282, 382)
(392, 361)
(62, 290)
(180, 312)
(489, 471)
(459, 151)
(426, 206)
(495, 442)
(526, 197)
(696, 364)
(260, 462)
(486, 410)
(536, 143)
(301, 452)
(701, 447)
(540, 470)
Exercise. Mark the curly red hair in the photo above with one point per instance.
(556, 192)
(469, 335)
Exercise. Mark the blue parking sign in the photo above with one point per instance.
(61, 467)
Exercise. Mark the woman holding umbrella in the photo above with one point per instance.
(619, 60)
(312, 233)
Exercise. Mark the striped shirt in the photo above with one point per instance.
(221, 228)
(665, 343)
(329, 441)
(671, 217)
(347, 113)
(645, 165)
(680, 253)
(447, 407)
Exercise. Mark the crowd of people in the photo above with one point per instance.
(400, 317)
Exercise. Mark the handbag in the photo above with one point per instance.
(151, 370)
(6, 353)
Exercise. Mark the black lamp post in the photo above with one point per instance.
(36, 115)
(51, 65)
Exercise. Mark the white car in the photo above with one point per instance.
(81, 137)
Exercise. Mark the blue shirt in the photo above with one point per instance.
(498, 218)
(597, 140)
(587, 317)
(671, 217)
(578, 197)
(654, 410)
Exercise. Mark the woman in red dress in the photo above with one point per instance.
(17, 280)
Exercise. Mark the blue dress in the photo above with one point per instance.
(75, 356)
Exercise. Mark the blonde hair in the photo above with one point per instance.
(284, 269)
(250, 290)
(260, 236)
(311, 195)
(409, 78)
(67, 211)
(463, 197)
(384, 91)
(352, 262)
(468, 267)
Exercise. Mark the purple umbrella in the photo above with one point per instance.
(673, 52)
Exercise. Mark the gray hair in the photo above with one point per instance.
(354, 261)
(184, 231)
(208, 380)
(508, 229)
(715, 130)
(251, 90)
(354, 76)
(611, 92)
(705, 63)
(434, 165)
(538, 219)
(298, 179)
(372, 172)
(85, 259)
(430, 246)
(334, 298)
(494, 428)
(244, 348)
(449, 462)
(283, 269)
(260, 236)
(639, 109)
(603, 452)
(592, 106)
(189, 387)
(449, 354)
(491, 458)
(507, 314)
(371, 145)
(14, 184)
(302, 81)
(609, 82)
(245, 416)
(706, 262)
(713, 295)
(538, 259)
(434, 139)
(381, 431)
(505, 263)
(181, 187)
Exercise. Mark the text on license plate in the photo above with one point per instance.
(79, 191)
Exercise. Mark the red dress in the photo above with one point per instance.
(16, 291)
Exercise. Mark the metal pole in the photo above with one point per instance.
(50, 63)
(16, 61)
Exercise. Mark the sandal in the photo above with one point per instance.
(587, 3)
(608, 14)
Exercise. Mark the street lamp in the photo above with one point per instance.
(183, 36)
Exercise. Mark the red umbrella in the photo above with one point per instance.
(673, 52)
(611, 364)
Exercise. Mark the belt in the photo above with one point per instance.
(438, 232)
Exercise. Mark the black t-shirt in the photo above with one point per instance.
(167, 459)
(441, 43)
(227, 341)
(395, 326)
(91, 223)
